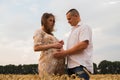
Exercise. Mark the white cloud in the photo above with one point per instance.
(17, 52)
(34, 8)
(112, 2)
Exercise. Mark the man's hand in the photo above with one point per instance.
(60, 54)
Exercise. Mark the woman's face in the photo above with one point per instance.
(50, 22)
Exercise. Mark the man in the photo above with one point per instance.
(79, 47)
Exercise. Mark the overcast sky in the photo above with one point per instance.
(20, 18)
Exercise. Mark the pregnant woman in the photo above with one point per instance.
(47, 44)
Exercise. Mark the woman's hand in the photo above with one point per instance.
(57, 45)
(62, 42)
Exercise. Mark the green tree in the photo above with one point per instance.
(104, 67)
(95, 68)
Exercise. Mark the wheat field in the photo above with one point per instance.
(57, 77)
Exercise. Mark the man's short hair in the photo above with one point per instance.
(73, 12)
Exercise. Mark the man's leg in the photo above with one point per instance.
(69, 72)
(79, 71)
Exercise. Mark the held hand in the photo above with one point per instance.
(59, 54)
(62, 42)
(57, 45)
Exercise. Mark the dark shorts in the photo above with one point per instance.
(80, 71)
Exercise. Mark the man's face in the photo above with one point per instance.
(72, 20)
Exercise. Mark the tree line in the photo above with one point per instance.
(20, 69)
(104, 67)
(107, 67)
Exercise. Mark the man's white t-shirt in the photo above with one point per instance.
(78, 34)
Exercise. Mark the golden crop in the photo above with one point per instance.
(57, 77)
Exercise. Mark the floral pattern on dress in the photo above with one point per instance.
(47, 63)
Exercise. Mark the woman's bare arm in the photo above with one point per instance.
(45, 47)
